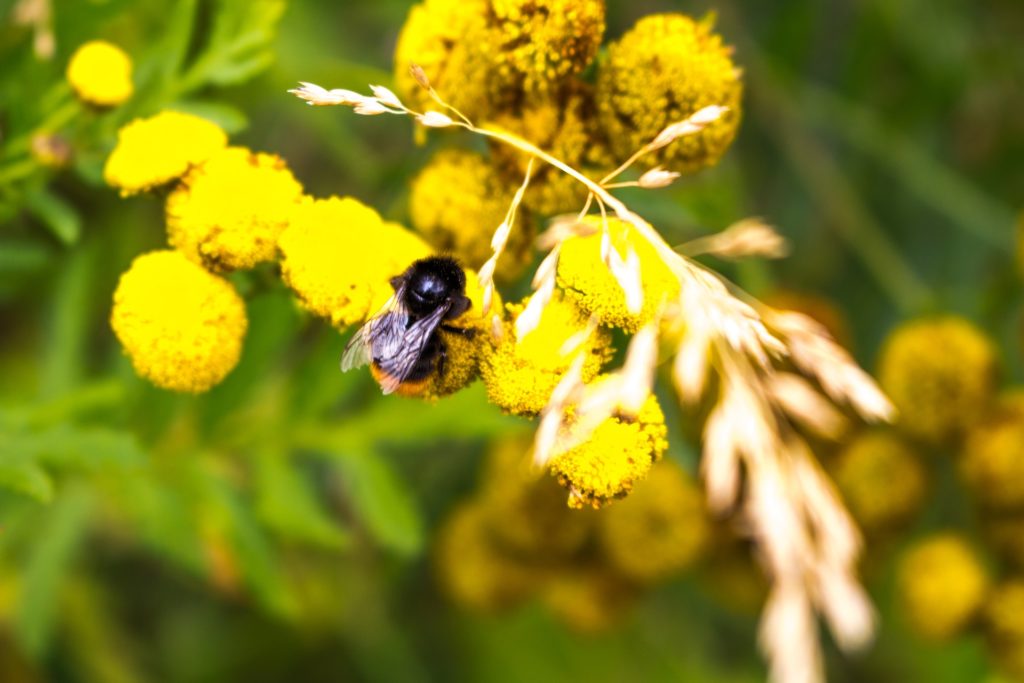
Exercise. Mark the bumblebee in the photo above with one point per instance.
(404, 342)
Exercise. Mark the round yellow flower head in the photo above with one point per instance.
(181, 326)
(664, 69)
(154, 151)
(618, 454)
(447, 39)
(228, 212)
(459, 200)
(941, 375)
(520, 376)
(661, 528)
(567, 128)
(101, 73)
(882, 481)
(588, 282)
(1004, 626)
(471, 567)
(527, 510)
(537, 43)
(332, 258)
(941, 584)
(993, 461)
(589, 599)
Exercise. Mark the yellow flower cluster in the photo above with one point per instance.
(1004, 626)
(941, 375)
(516, 538)
(616, 455)
(228, 212)
(882, 481)
(520, 376)
(100, 73)
(942, 585)
(588, 282)
(181, 326)
(993, 460)
(458, 200)
(664, 69)
(162, 148)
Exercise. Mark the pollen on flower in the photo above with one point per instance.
(538, 43)
(459, 200)
(659, 529)
(942, 584)
(587, 281)
(332, 259)
(229, 212)
(520, 376)
(566, 126)
(865, 472)
(941, 375)
(181, 326)
(101, 73)
(614, 457)
(154, 151)
(664, 69)
(446, 38)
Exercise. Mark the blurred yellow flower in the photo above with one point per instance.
(566, 126)
(181, 326)
(1004, 626)
(941, 375)
(882, 481)
(521, 376)
(447, 39)
(458, 200)
(537, 43)
(661, 71)
(100, 73)
(228, 212)
(659, 529)
(154, 151)
(614, 457)
(588, 599)
(472, 569)
(588, 282)
(941, 584)
(993, 461)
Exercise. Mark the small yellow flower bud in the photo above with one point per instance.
(101, 73)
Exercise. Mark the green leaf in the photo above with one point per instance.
(286, 504)
(27, 478)
(383, 502)
(58, 538)
(56, 214)
(88, 449)
(71, 315)
(232, 119)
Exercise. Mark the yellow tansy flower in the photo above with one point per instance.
(589, 599)
(154, 151)
(101, 73)
(520, 376)
(941, 375)
(1004, 626)
(941, 584)
(447, 39)
(567, 128)
(618, 454)
(589, 283)
(229, 212)
(993, 461)
(664, 69)
(332, 258)
(537, 43)
(526, 510)
(459, 200)
(882, 481)
(181, 326)
(471, 567)
(661, 528)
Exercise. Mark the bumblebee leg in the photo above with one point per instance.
(466, 332)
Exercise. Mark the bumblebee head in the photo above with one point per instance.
(432, 281)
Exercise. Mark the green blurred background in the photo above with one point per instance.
(278, 527)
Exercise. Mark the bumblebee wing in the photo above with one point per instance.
(397, 367)
(381, 335)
